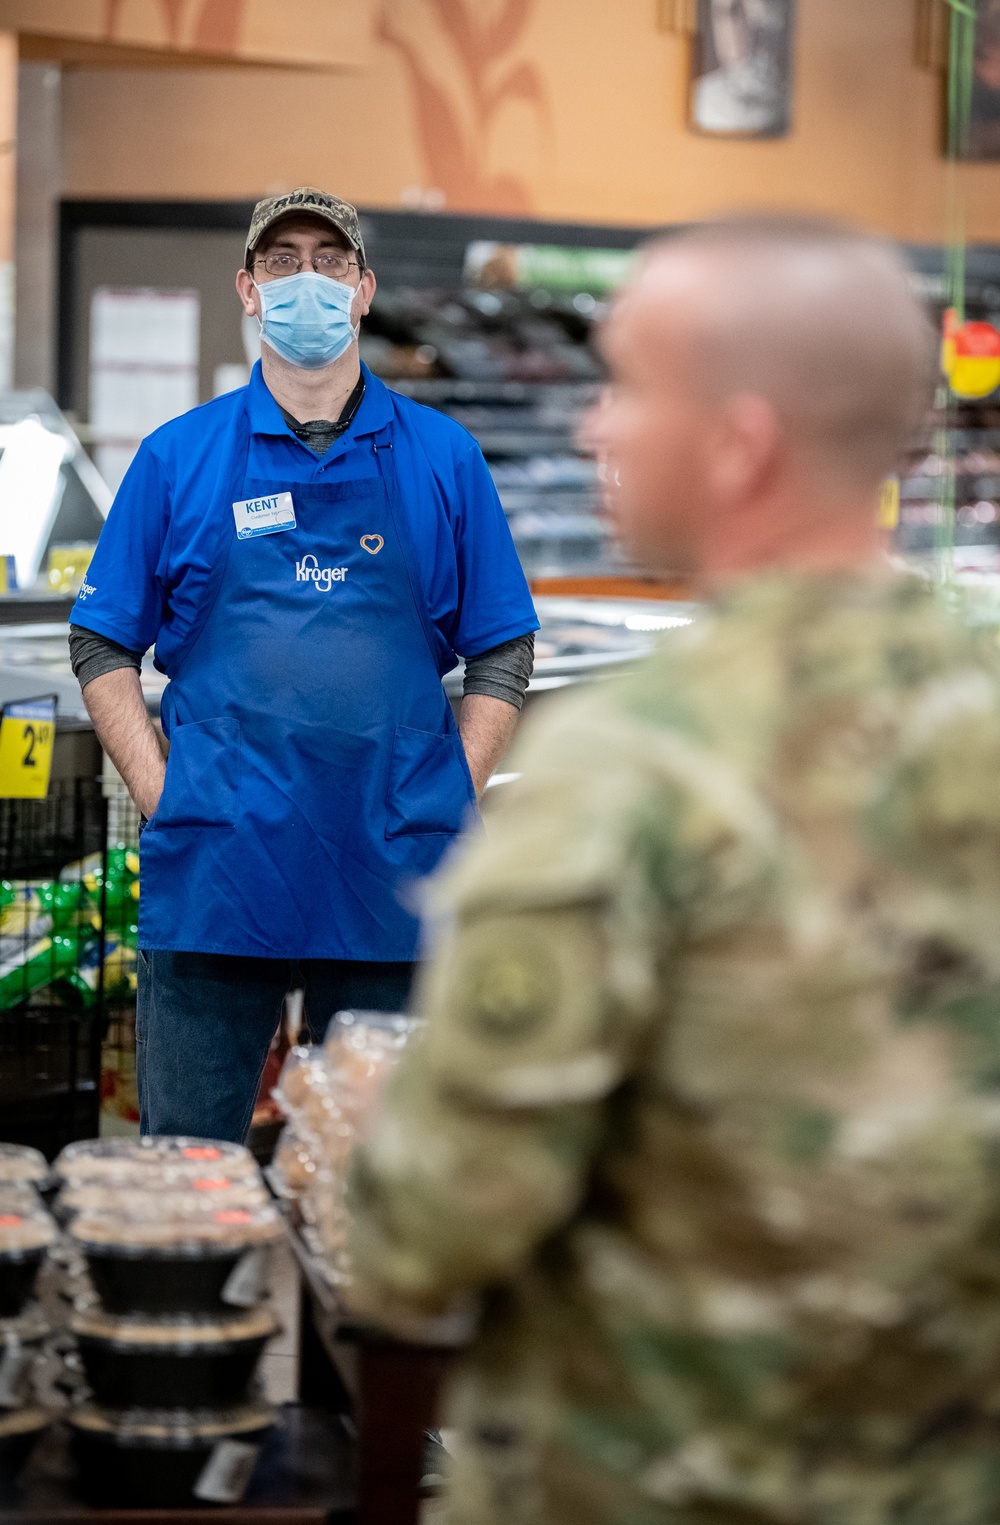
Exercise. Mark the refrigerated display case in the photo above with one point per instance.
(53, 504)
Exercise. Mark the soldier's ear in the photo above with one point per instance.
(747, 444)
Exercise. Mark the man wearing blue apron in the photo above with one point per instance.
(308, 555)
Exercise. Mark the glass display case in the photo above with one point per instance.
(53, 502)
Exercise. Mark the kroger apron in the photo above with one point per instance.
(316, 773)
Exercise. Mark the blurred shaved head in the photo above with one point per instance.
(766, 374)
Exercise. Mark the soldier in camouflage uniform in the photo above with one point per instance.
(707, 1108)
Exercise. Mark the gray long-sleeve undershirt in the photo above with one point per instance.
(500, 673)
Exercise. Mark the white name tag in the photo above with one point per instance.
(264, 516)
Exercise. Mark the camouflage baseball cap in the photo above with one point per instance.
(307, 198)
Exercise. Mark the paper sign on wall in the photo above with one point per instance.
(144, 347)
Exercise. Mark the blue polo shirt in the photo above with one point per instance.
(155, 557)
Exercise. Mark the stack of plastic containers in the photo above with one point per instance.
(26, 1232)
(175, 1234)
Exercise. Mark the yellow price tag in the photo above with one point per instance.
(27, 737)
(888, 504)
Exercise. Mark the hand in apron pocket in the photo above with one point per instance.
(202, 785)
(430, 789)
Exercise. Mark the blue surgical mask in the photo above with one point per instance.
(306, 318)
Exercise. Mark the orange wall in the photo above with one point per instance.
(590, 126)
(295, 31)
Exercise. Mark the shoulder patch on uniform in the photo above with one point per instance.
(505, 994)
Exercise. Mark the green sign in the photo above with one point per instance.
(547, 266)
(573, 269)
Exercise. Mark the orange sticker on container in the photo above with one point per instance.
(211, 1183)
(232, 1215)
(10, 1220)
(201, 1152)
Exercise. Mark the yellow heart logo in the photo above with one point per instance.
(372, 544)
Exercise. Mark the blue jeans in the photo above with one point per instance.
(204, 1024)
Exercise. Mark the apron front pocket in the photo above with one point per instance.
(429, 786)
(202, 786)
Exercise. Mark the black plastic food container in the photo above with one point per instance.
(18, 1270)
(140, 1463)
(18, 1432)
(141, 1364)
(158, 1282)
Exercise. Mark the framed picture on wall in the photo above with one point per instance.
(984, 124)
(743, 68)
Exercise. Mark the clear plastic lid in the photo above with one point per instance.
(379, 1031)
(164, 1196)
(182, 1225)
(19, 1197)
(21, 1231)
(20, 1163)
(92, 1159)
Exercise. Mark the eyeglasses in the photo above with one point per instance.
(333, 263)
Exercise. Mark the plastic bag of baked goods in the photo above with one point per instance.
(361, 1051)
(295, 1164)
(303, 1094)
(303, 1072)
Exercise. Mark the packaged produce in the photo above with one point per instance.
(20, 1163)
(19, 1430)
(125, 1158)
(150, 1459)
(203, 1261)
(25, 1235)
(182, 1363)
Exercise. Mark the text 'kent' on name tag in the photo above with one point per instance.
(264, 516)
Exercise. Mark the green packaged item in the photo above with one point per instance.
(119, 967)
(33, 965)
(22, 911)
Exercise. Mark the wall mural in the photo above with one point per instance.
(456, 121)
(214, 25)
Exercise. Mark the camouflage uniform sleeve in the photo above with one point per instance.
(554, 930)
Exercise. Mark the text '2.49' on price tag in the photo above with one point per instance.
(27, 736)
